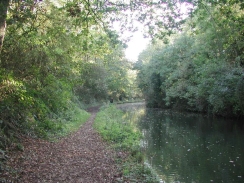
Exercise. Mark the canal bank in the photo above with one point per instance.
(186, 147)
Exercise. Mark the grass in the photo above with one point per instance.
(69, 122)
(124, 137)
(58, 125)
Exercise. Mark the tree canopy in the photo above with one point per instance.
(54, 58)
(201, 68)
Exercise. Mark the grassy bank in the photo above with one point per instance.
(69, 122)
(125, 139)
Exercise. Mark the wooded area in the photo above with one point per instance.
(57, 57)
(199, 69)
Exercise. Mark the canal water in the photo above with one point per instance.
(189, 148)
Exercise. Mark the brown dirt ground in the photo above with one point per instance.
(82, 157)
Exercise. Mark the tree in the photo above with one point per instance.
(159, 18)
(200, 69)
(4, 4)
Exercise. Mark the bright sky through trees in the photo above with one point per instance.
(138, 42)
(136, 45)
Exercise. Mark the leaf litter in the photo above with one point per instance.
(82, 157)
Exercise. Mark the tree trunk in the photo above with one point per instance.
(3, 15)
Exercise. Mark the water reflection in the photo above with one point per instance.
(189, 148)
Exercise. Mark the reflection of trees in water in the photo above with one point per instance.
(192, 148)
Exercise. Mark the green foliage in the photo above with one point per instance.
(108, 77)
(54, 61)
(55, 53)
(46, 58)
(111, 124)
(201, 68)
(68, 122)
(94, 87)
(24, 110)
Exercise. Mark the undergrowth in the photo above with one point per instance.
(50, 128)
(125, 139)
(69, 122)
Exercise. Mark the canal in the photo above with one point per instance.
(189, 148)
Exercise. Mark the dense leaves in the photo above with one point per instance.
(52, 61)
(201, 69)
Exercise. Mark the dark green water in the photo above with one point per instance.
(190, 148)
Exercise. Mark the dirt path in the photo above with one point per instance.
(79, 158)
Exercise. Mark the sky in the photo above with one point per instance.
(135, 46)
(138, 43)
